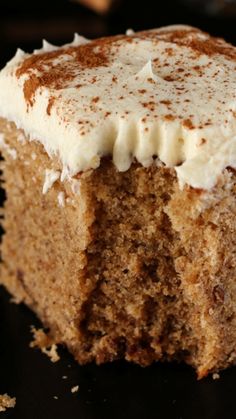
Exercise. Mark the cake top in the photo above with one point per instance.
(168, 93)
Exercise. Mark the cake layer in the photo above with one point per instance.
(121, 265)
(168, 92)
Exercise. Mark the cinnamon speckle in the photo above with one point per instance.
(95, 99)
(149, 105)
(165, 102)
(169, 78)
(50, 104)
(142, 91)
(188, 123)
(169, 117)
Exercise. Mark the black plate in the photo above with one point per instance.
(112, 391)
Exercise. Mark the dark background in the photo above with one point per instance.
(24, 23)
(117, 390)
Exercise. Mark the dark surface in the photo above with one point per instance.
(118, 390)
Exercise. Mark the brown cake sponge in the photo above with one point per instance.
(121, 264)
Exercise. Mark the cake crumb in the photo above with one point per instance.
(12, 152)
(75, 186)
(3, 145)
(75, 389)
(6, 402)
(215, 376)
(43, 342)
(55, 397)
(21, 138)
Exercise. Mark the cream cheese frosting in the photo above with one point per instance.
(51, 177)
(167, 94)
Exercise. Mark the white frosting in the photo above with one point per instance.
(169, 93)
(61, 199)
(130, 32)
(51, 176)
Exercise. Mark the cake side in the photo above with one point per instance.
(126, 264)
(208, 270)
(43, 249)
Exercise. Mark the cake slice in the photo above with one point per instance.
(120, 217)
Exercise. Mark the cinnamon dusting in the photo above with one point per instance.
(188, 123)
(188, 37)
(166, 102)
(95, 99)
(169, 117)
(50, 104)
(48, 71)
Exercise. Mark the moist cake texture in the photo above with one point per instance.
(119, 170)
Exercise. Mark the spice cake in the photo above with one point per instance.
(120, 217)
